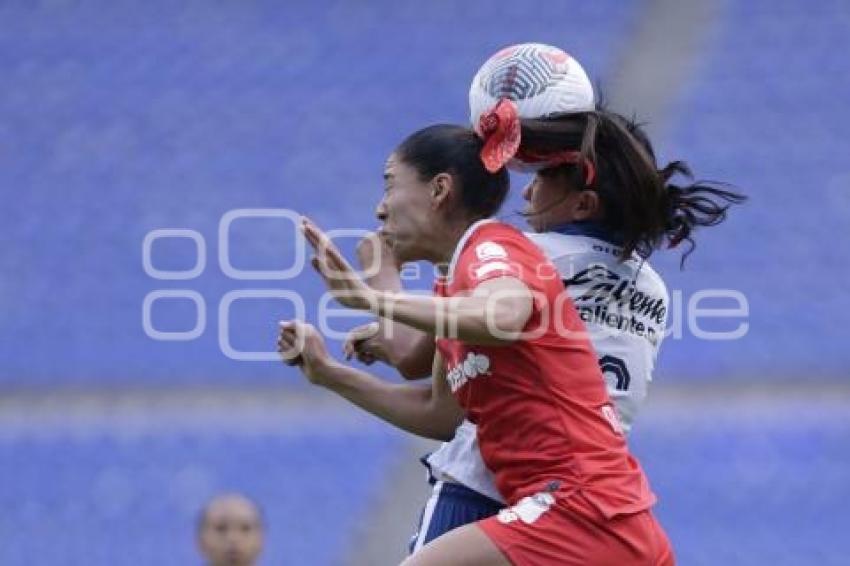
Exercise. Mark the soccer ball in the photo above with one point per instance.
(540, 79)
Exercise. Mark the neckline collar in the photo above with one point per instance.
(590, 228)
(462, 243)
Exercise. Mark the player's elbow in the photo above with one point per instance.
(411, 368)
(444, 418)
(445, 428)
(414, 359)
(411, 373)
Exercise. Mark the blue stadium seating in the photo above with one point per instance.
(743, 483)
(128, 117)
(763, 111)
(738, 485)
(107, 499)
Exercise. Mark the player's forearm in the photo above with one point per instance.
(410, 407)
(407, 349)
(414, 361)
(474, 320)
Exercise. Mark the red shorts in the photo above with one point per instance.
(540, 531)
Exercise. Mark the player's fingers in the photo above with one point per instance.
(305, 332)
(357, 337)
(314, 235)
(310, 232)
(366, 357)
(289, 353)
(325, 248)
(349, 347)
(365, 350)
(364, 332)
(336, 260)
(314, 261)
(288, 336)
(286, 330)
(286, 333)
(321, 269)
(332, 263)
(286, 339)
(292, 329)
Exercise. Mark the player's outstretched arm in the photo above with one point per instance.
(496, 312)
(409, 350)
(429, 411)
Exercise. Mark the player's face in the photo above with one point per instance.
(552, 202)
(231, 534)
(404, 210)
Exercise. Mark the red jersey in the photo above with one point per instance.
(543, 414)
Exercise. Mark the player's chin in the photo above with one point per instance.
(534, 221)
(396, 244)
(387, 237)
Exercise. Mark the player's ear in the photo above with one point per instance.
(587, 205)
(442, 186)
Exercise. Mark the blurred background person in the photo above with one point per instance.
(231, 531)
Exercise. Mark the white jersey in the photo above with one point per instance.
(624, 307)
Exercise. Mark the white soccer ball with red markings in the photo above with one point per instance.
(542, 80)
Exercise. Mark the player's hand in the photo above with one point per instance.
(342, 281)
(301, 344)
(362, 342)
(375, 254)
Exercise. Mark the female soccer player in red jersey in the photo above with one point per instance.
(623, 303)
(580, 227)
(512, 357)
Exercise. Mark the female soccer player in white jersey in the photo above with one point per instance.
(621, 299)
(512, 357)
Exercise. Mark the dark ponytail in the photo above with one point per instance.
(641, 204)
(693, 205)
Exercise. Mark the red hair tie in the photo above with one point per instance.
(500, 130)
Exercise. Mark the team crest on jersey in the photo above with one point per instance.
(490, 250)
(528, 510)
(475, 365)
